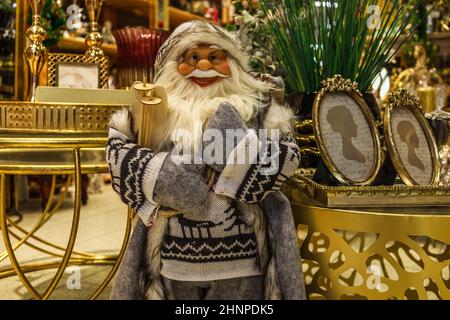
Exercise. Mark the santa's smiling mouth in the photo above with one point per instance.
(204, 82)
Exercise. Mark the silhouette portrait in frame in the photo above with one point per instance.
(409, 136)
(346, 133)
(342, 122)
(410, 140)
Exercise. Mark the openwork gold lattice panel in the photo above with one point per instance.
(48, 117)
(55, 59)
(361, 255)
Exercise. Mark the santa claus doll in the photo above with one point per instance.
(210, 226)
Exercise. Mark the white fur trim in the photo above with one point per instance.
(271, 285)
(155, 237)
(259, 224)
(196, 32)
(278, 117)
(272, 289)
(121, 121)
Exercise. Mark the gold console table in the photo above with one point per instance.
(372, 253)
(53, 139)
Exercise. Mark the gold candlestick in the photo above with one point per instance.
(427, 98)
(94, 39)
(35, 53)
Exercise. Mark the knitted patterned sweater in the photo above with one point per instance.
(212, 242)
(211, 246)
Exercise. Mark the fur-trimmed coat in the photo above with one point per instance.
(139, 277)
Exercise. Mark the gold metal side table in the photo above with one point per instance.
(53, 139)
(373, 253)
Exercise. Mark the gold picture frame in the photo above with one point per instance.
(81, 62)
(346, 132)
(415, 163)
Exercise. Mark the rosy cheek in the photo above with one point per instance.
(185, 69)
(223, 68)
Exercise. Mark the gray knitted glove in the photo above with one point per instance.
(266, 171)
(225, 119)
(181, 186)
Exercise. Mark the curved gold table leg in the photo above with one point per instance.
(119, 257)
(74, 229)
(16, 193)
(39, 224)
(32, 267)
(47, 214)
(80, 259)
(15, 212)
(51, 196)
(18, 215)
(7, 241)
(77, 254)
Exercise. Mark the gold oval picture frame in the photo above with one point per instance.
(346, 132)
(410, 140)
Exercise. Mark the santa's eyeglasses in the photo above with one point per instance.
(192, 58)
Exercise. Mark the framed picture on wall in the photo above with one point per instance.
(77, 71)
(346, 132)
(410, 140)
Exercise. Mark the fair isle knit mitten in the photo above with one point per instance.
(268, 164)
(180, 186)
(224, 130)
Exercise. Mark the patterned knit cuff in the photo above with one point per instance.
(234, 173)
(288, 163)
(114, 133)
(148, 212)
(116, 150)
(150, 208)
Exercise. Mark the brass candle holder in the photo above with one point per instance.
(35, 53)
(94, 39)
(427, 97)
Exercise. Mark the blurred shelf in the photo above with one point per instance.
(178, 16)
(442, 39)
(143, 8)
(77, 45)
(6, 89)
(140, 8)
(440, 36)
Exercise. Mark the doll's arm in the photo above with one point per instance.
(145, 180)
(256, 165)
(270, 165)
(127, 163)
(178, 186)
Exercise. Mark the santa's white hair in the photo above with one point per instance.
(189, 103)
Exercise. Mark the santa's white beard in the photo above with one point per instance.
(190, 104)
